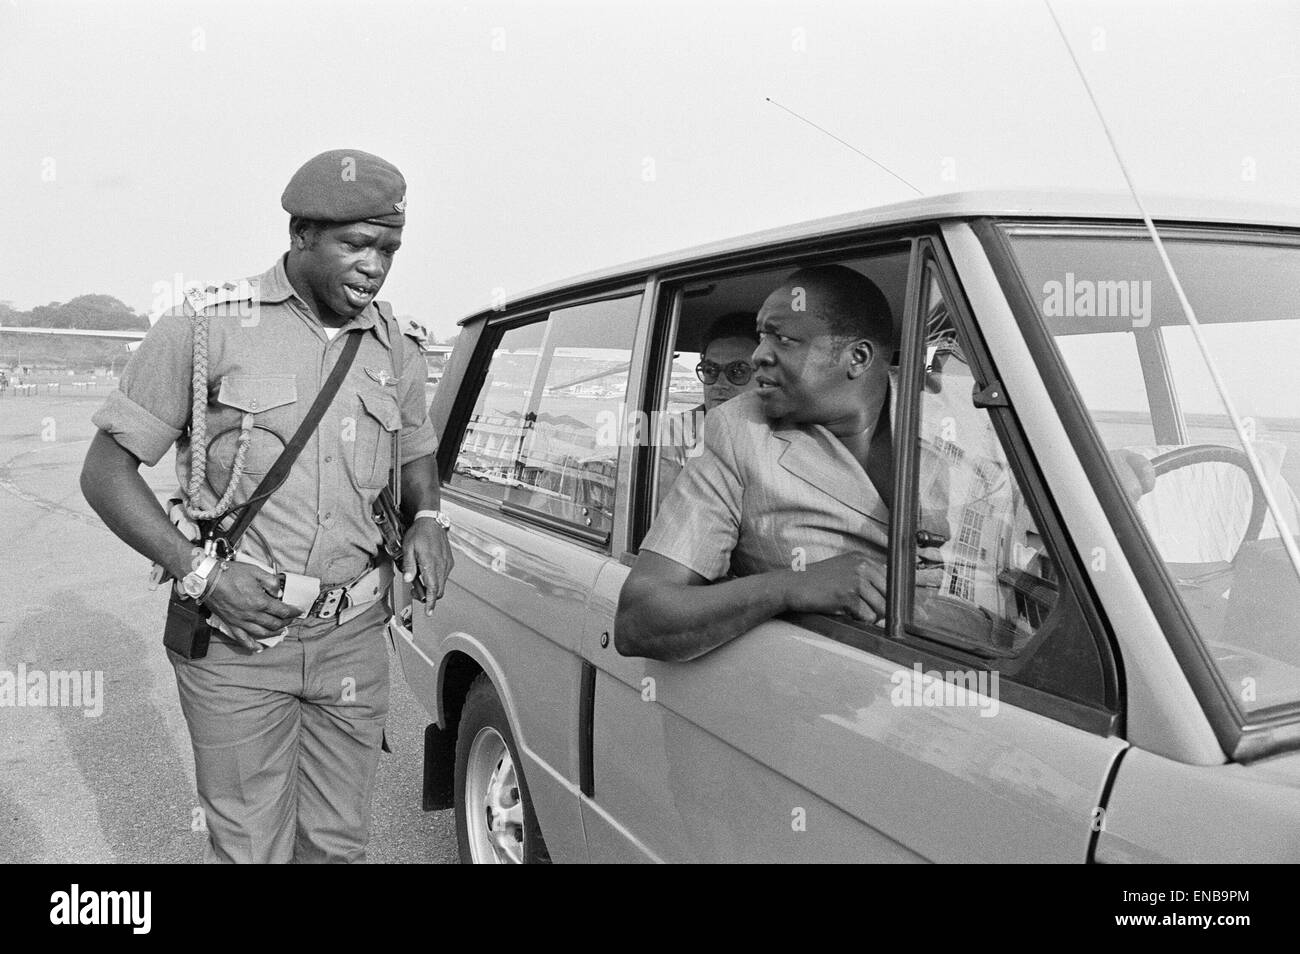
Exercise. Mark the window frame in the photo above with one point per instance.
(1073, 581)
(1243, 737)
(891, 644)
(471, 386)
(666, 316)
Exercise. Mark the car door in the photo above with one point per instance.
(530, 500)
(977, 724)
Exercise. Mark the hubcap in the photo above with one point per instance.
(494, 809)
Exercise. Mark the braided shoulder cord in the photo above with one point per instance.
(199, 433)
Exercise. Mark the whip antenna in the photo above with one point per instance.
(848, 144)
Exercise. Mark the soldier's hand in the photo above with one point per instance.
(848, 585)
(245, 597)
(427, 551)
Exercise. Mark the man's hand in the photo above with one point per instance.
(245, 598)
(848, 585)
(427, 551)
(1136, 475)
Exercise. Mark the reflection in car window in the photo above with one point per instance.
(984, 574)
(678, 437)
(539, 438)
(985, 579)
(1205, 514)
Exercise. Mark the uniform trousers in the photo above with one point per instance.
(287, 741)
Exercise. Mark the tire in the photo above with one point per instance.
(495, 821)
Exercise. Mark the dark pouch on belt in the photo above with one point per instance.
(187, 631)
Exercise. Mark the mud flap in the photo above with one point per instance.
(439, 768)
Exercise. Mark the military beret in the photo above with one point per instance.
(347, 185)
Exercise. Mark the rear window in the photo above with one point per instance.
(542, 438)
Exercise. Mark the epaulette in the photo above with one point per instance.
(413, 329)
(210, 300)
(407, 326)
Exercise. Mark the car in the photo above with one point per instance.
(1097, 675)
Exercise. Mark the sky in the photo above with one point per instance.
(145, 141)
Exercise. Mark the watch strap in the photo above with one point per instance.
(443, 520)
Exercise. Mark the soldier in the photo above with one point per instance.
(286, 723)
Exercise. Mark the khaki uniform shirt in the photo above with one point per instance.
(762, 497)
(268, 356)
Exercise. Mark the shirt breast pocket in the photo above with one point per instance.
(373, 455)
(271, 402)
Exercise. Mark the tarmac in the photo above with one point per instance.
(118, 786)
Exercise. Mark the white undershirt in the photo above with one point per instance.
(331, 332)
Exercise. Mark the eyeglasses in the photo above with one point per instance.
(737, 372)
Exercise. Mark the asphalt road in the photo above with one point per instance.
(119, 786)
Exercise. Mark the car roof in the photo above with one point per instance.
(951, 205)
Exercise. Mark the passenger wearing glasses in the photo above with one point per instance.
(726, 371)
(786, 507)
(725, 368)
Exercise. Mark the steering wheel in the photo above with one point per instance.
(1193, 454)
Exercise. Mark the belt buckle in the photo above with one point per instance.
(329, 603)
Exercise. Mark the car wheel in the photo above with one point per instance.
(495, 821)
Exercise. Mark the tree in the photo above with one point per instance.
(89, 312)
(98, 312)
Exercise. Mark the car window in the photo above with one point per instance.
(720, 312)
(544, 435)
(1205, 515)
(681, 420)
(1116, 383)
(985, 579)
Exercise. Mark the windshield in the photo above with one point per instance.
(1117, 323)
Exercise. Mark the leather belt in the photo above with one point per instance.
(339, 601)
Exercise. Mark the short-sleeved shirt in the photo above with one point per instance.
(764, 496)
(268, 356)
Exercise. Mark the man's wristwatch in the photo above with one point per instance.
(436, 515)
(195, 583)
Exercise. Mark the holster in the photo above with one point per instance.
(393, 528)
(187, 631)
(389, 519)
